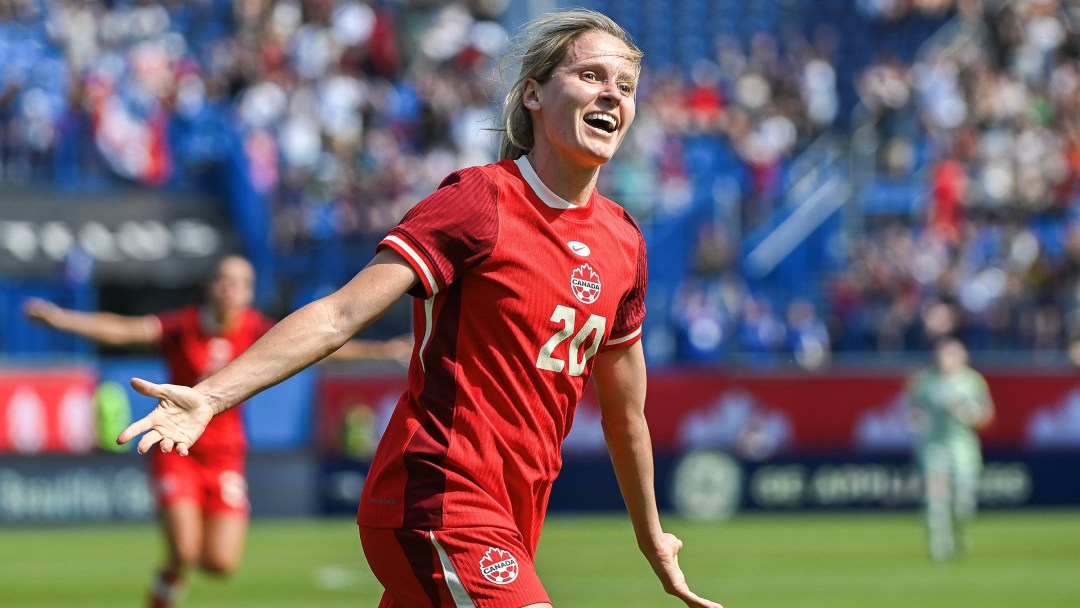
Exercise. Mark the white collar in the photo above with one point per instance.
(550, 198)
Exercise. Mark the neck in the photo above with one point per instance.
(219, 320)
(572, 183)
(225, 318)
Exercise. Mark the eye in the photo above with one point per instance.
(590, 76)
(626, 88)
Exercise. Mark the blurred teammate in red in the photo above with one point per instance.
(203, 502)
(527, 283)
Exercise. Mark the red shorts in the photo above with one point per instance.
(452, 568)
(213, 480)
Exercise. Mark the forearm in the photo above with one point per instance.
(631, 455)
(967, 411)
(311, 333)
(621, 385)
(630, 447)
(103, 327)
(299, 340)
(978, 413)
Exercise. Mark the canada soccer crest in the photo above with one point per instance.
(499, 566)
(585, 284)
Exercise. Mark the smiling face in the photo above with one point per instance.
(582, 112)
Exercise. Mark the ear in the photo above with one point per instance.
(530, 95)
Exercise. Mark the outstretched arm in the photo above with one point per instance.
(299, 340)
(104, 327)
(620, 385)
(976, 410)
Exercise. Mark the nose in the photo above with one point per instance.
(612, 92)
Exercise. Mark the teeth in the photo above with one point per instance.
(602, 117)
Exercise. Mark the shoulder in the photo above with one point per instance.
(976, 377)
(621, 212)
(918, 378)
(619, 215)
(452, 229)
(178, 321)
(260, 322)
(622, 228)
(178, 315)
(482, 179)
(465, 193)
(461, 202)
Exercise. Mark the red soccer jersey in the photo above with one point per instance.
(519, 290)
(192, 353)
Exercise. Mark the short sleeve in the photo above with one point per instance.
(171, 327)
(448, 232)
(262, 324)
(626, 329)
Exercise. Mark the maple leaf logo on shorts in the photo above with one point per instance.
(499, 566)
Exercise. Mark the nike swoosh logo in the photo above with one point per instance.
(579, 248)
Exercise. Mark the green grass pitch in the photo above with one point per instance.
(1029, 558)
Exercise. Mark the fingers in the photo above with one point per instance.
(144, 425)
(148, 388)
(166, 394)
(133, 430)
(675, 581)
(36, 309)
(151, 437)
(695, 601)
(148, 441)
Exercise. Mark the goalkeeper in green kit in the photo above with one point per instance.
(947, 403)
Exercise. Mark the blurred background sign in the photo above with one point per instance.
(140, 235)
(47, 411)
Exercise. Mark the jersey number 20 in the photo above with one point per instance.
(594, 327)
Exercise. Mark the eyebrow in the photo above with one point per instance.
(594, 63)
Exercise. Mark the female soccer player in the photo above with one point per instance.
(527, 283)
(948, 403)
(202, 500)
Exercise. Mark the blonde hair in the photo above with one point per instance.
(541, 45)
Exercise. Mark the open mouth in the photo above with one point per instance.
(603, 122)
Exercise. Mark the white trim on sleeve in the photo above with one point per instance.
(624, 339)
(428, 276)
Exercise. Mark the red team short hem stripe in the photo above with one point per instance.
(452, 568)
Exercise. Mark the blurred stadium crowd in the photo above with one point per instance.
(946, 132)
(984, 128)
